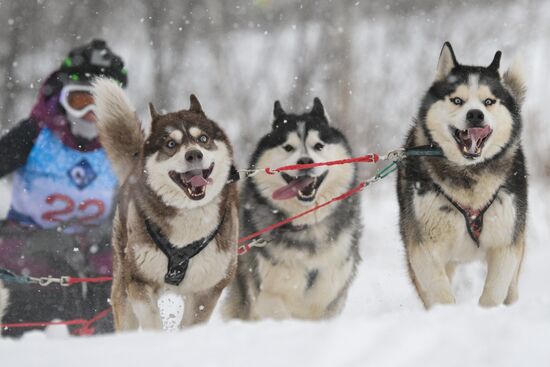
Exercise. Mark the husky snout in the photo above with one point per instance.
(305, 171)
(193, 156)
(475, 118)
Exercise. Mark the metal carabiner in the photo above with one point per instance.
(46, 281)
(64, 281)
(258, 242)
(396, 155)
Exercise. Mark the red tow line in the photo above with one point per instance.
(369, 158)
(85, 329)
(245, 248)
(71, 280)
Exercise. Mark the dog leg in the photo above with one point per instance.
(148, 314)
(503, 265)
(268, 305)
(144, 305)
(429, 276)
(450, 269)
(513, 290)
(336, 306)
(124, 317)
(199, 307)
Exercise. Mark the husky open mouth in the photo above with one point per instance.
(303, 187)
(193, 182)
(471, 141)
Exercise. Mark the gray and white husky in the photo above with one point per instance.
(472, 203)
(305, 269)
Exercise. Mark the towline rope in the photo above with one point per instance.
(85, 329)
(369, 158)
(64, 281)
(395, 156)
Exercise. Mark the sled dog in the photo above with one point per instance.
(305, 268)
(176, 224)
(470, 204)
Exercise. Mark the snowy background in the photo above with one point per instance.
(370, 62)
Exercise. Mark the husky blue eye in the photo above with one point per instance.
(457, 101)
(489, 102)
(319, 146)
(203, 139)
(288, 148)
(171, 144)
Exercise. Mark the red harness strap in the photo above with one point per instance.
(473, 217)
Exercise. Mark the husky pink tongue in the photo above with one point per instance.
(291, 190)
(472, 137)
(198, 181)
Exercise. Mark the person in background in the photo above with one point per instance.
(62, 195)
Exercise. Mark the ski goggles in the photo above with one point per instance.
(77, 100)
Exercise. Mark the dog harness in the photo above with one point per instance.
(473, 217)
(178, 258)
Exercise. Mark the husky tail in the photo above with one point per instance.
(119, 128)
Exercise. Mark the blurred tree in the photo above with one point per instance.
(369, 61)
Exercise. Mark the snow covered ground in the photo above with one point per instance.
(383, 323)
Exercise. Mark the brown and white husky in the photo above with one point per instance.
(176, 225)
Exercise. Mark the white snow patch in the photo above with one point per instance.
(171, 308)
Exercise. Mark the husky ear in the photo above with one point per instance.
(318, 108)
(514, 80)
(153, 111)
(447, 62)
(495, 64)
(195, 105)
(278, 110)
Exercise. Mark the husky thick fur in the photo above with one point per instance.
(174, 179)
(472, 203)
(305, 269)
(4, 298)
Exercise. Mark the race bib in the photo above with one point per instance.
(62, 187)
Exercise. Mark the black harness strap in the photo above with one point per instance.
(473, 217)
(424, 151)
(178, 258)
(234, 175)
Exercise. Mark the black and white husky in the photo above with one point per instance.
(305, 269)
(471, 204)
